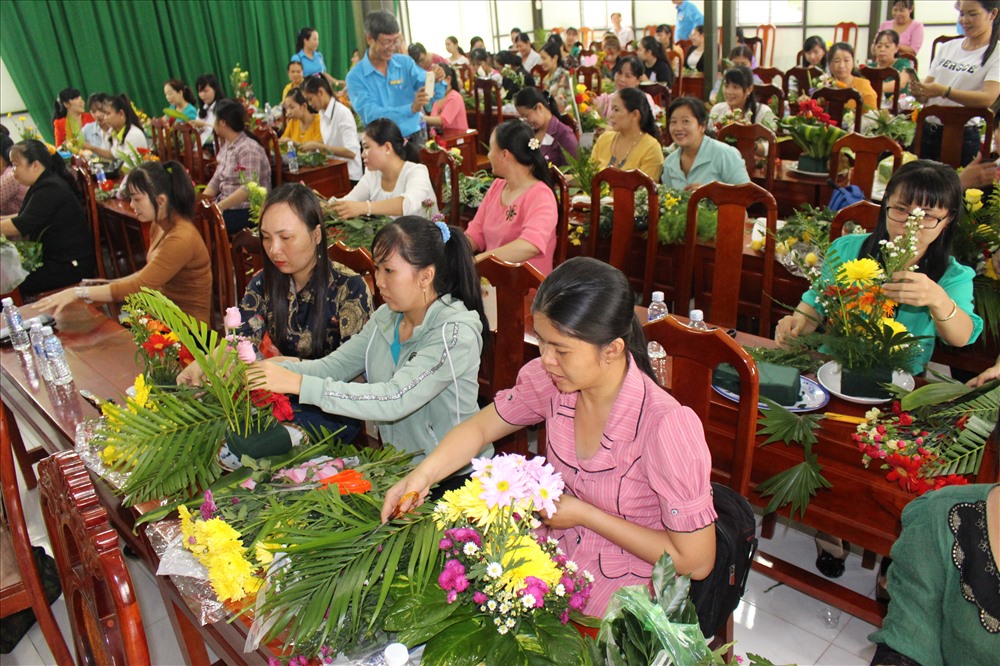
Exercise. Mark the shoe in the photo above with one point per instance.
(881, 590)
(828, 563)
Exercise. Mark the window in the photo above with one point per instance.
(777, 12)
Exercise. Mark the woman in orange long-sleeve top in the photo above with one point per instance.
(177, 263)
(70, 115)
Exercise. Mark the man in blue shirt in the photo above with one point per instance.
(688, 18)
(388, 84)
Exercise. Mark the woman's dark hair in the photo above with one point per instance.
(513, 60)
(813, 42)
(451, 76)
(927, 184)
(523, 38)
(741, 51)
(514, 136)
(6, 143)
(306, 207)
(169, 178)
(635, 100)
(313, 84)
(891, 34)
(696, 106)
(989, 6)
(383, 131)
(208, 81)
(592, 301)
(473, 41)
(667, 30)
(478, 55)
(700, 29)
(650, 44)
(634, 65)
(33, 150)
(97, 99)
(554, 49)
(183, 89)
(529, 98)
(65, 96)
(302, 36)
(123, 104)
(234, 115)
(420, 243)
(416, 50)
(908, 4)
(743, 77)
(292, 63)
(454, 40)
(300, 99)
(842, 46)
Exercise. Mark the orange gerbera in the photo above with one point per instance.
(156, 326)
(869, 300)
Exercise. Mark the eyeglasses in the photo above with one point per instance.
(900, 214)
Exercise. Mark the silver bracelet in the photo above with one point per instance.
(83, 293)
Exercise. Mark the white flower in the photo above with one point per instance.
(494, 570)
(504, 608)
(491, 605)
(535, 523)
(551, 542)
(589, 576)
(560, 590)
(528, 600)
(497, 621)
(502, 629)
(571, 566)
(482, 608)
(470, 549)
(511, 622)
(533, 143)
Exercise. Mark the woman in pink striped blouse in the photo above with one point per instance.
(634, 461)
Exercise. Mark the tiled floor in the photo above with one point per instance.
(773, 621)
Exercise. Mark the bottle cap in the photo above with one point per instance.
(696, 315)
(7, 301)
(46, 330)
(396, 654)
(35, 325)
(657, 296)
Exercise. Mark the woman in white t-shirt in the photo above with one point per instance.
(124, 129)
(336, 123)
(966, 72)
(394, 184)
(737, 91)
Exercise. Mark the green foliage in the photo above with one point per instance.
(29, 251)
(900, 129)
(795, 485)
(986, 296)
(798, 353)
(356, 231)
(581, 168)
(782, 425)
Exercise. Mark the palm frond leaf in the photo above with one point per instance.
(794, 486)
(782, 425)
(964, 453)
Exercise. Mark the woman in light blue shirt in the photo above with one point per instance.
(307, 52)
(699, 159)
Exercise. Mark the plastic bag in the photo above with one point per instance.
(12, 273)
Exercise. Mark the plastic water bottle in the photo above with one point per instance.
(56, 356)
(100, 176)
(657, 308)
(697, 318)
(15, 326)
(38, 350)
(293, 158)
(396, 654)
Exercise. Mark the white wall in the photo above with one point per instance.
(10, 102)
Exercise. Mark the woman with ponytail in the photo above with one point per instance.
(420, 351)
(180, 98)
(241, 159)
(635, 461)
(634, 139)
(177, 262)
(395, 183)
(539, 110)
(124, 128)
(69, 115)
(966, 72)
(51, 213)
(517, 220)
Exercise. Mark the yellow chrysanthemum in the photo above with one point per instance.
(861, 272)
(990, 271)
(141, 394)
(523, 557)
(464, 504)
(973, 196)
(263, 553)
(187, 529)
(580, 88)
(897, 327)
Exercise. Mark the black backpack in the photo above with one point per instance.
(717, 596)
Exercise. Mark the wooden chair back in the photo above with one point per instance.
(695, 354)
(21, 585)
(941, 40)
(489, 109)
(569, 121)
(723, 299)
(676, 61)
(836, 101)
(465, 76)
(767, 34)
(506, 352)
(877, 76)
(211, 226)
(767, 92)
(746, 139)
(624, 236)
(192, 154)
(590, 77)
(560, 188)
(660, 94)
(86, 186)
(269, 140)
(162, 143)
(359, 260)
(911, 58)
(846, 31)
(649, 31)
(801, 75)
(684, 44)
(953, 119)
(537, 73)
(443, 171)
(756, 46)
(868, 152)
(103, 610)
(768, 74)
(586, 37)
(864, 213)
(248, 258)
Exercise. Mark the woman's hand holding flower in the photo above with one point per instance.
(272, 377)
(912, 288)
(570, 512)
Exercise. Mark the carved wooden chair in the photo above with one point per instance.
(506, 353)
(868, 151)
(537, 72)
(755, 44)
(360, 261)
(21, 585)
(192, 154)
(746, 138)
(836, 102)
(877, 76)
(723, 278)
(561, 189)
(767, 92)
(489, 114)
(465, 75)
(103, 609)
(801, 75)
(624, 236)
(569, 121)
(864, 213)
(660, 94)
(273, 149)
(586, 37)
(85, 184)
(443, 171)
(247, 255)
(953, 119)
(212, 228)
(676, 61)
(766, 33)
(768, 74)
(590, 77)
(163, 145)
(846, 31)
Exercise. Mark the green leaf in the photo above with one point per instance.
(782, 425)
(554, 637)
(461, 644)
(964, 453)
(795, 485)
(932, 394)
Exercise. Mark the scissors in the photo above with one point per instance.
(407, 501)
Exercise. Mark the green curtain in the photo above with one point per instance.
(135, 46)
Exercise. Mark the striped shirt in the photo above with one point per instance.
(652, 469)
(243, 156)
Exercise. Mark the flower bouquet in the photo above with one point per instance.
(24, 127)
(673, 216)
(590, 119)
(239, 81)
(158, 349)
(503, 593)
(734, 117)
(977, 243)
(815, 132)
(900, 129)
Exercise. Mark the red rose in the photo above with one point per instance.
(281, 409)
(905, 419)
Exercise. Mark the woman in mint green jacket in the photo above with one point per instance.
(419, 352)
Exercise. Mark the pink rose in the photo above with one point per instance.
(233, 318)
(245, 350)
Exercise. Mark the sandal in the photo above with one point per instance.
(829, 564)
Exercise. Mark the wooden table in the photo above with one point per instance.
(330, 179)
